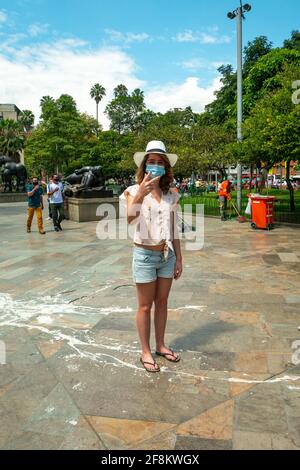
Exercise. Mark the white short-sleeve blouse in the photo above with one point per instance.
(154, 225)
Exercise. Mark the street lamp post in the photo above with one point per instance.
(239, 15)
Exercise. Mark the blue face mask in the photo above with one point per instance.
(155, 170)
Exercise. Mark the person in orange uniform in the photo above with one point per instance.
(224, 196)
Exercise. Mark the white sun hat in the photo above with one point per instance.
(155, 146)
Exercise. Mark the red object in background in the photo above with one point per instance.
(262, 210)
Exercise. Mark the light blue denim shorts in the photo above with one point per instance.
(148, 265)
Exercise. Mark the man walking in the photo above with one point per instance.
(35, 205)
(49, 208)
(55, 194)
(224, 196)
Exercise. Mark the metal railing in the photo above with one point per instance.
(282, 212)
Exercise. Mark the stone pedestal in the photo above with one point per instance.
(13, 197)
(90, 210)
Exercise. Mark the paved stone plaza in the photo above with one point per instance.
(73, 380)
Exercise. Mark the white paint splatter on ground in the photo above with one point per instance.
(192, 307)
(50, 409)
(74, 422)
(73, 367)
(45, 319)
(285, 378)
(79, 387)
(26, 309)
(20, 313)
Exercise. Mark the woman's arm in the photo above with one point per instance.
(133, 207)
(176, 240)
(134, 202)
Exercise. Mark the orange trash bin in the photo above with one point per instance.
(262, 212)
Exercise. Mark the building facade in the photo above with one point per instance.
(9, 111)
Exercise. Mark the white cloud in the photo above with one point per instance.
(197, 63)
(189, 93)
(210, 37)
(3, 17)
(117, 36)
(10, 40)
(186, 36)
(30, 72)
(37, 29)
(27, 73)
(206, 38)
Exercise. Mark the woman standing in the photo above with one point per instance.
(151, 207)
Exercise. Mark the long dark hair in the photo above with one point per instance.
(165, 181)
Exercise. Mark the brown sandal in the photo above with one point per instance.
(176, 359)
(151, 364)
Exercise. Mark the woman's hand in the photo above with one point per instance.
(147, 185)
(178, 269)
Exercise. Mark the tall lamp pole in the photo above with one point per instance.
(239, 15)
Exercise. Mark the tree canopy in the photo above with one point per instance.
(67, 139)
(63, 139)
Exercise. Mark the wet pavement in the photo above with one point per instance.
(73, 380)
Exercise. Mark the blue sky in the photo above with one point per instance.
(171, 49)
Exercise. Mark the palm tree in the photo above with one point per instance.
(47, 105)
(27, 119)
(47, 99)
(11, 138)
(97, 92)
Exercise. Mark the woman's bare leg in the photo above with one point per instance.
(145, 295)
(163, 287)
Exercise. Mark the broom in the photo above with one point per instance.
(241, 219)
(183, 226)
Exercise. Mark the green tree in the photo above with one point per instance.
(113, 151)
(211, 143)
(254, 50)
(138, 112)
(293, 42)
(220, 109)
(199, 146)
(47, 99)
(271, 132)
(118, 110)
(261, 64)
(127, 112)
(11, 138)
(224, 106)
(64, 138)
(97, 93)
(48, 106)
(263, 77)
(27, 119)
(66, 104)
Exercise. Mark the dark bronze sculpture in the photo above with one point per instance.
(88, 182)
(11, 170)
